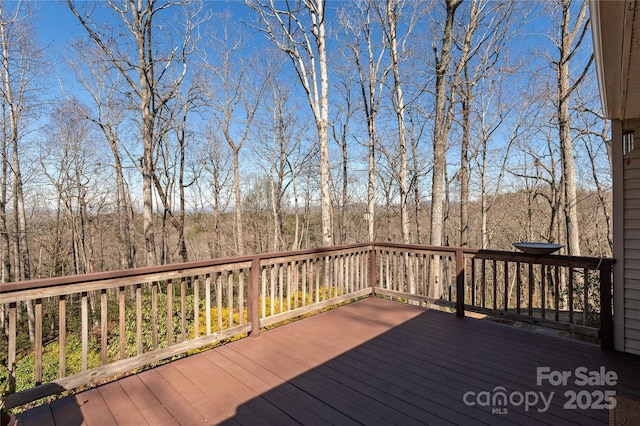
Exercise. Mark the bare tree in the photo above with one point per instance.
(443, 59)
(103, 84)
(70, 161)
(21, 59)
(572, 33)
(367, 56)
(281, 142)
(235, 93)
(214, 185)
(390, 21)
(152, 70)
(490, 27)
(305, 42)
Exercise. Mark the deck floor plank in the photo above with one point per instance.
(297, 403)
(386, 386)
(173, 401)
(38, 416)
(85, 408)
(146, 402)
(208, 407)
(369, 362)
(227, 392)
(122, 408)
(363, 383)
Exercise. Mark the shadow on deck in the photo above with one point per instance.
(369, 362)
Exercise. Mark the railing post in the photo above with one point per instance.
(460, 283)
(606, 314)
(253, 297)
(372, 271)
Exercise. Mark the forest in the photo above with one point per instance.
(152, 132)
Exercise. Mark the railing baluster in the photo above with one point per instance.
(556, 290)
(531, 288)
(84, 313)
(473, 281)
(11, 356)
(518, 287)
(230, 298)
(273, 289)
(207, 303)
(38, 340)
(219, 300)
(288, 294)
(196, 308)
(280, 286)
(122, 323)
(543, 295)
(483, 283)
(264, 292)
(154, 315)
(460, 276)
(571, 271)
(138, 319)
(103, 326)
(495, 284)
(169, 312)
(304, 282)
(241, 295)
(62, 336)
(253, 314)
(506, 285)
(183, 310)
(585, 319)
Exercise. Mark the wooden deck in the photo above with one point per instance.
(370, 362)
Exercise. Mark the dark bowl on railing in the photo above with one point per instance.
(537, 248)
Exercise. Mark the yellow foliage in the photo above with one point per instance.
(295, 300)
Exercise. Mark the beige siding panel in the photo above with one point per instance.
(632, 243)
(631, 224)
(631, 268)
(632, 172)
(631, 254)
(633, 283)
(632, 213)
(632, 346)
(632, 198)
(632, 184)
(632, 202)
(633, 334)
(630, 293)
(632, 304)
(633, 323)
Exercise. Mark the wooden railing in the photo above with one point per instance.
(565, 292)
(65, 332)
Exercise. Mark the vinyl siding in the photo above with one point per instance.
(632, 252)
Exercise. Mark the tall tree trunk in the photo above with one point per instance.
(4, 228)
(570, 40)
(464, 166)
(23, 271)
(399, 106)
(238, 207)
(440, 138)
(323, 122)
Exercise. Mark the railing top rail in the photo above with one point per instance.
(574, 261)
(548, 259)
(154, 270)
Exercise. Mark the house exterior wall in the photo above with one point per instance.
(626, 177)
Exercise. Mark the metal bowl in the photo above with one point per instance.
(537, 248)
